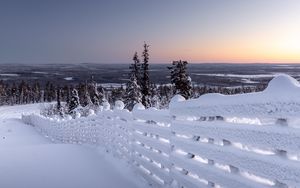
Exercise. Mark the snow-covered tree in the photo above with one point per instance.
(86, 99)
(145, 80)
(59, 107)
(117, 94)
(97, 94)
(133, 93)
(74, 101)
(154, 101)
(180, 79)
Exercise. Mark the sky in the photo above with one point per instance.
(199, 31)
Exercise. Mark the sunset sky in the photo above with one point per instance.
(200, 31)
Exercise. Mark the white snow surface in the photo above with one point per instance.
(282, 91)
(68, 78)
(9, 75)
(239, 75)
(28, 160)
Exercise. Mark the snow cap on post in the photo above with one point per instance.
(119, 105)
(138, 106)
(106, 106)
(176, 99)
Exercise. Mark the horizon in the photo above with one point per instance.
(150, 63)
(109, 32)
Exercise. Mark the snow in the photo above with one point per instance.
(283, 92)
(113, 85)
(119, 105)
(69, 78)
(138, 106)
(239, 75)
(248, 81)
(39, 72)
(10, 75)
(29, 160)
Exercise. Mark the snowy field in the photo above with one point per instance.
(29, 160)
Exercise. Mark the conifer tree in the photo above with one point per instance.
(180, 79)
(133, 91)
(74, 101)
(145, 80)
(66, 94)
(96, 96)
(86, 99)
(58, 104)
(117, 94)
(154, 100)
(36, 92)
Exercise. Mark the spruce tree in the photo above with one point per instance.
(66, 94)
(96, 96)
(117, 94)
(133, 91)
(145, 80)
(180, 79)
(74, 101)
(154, 100)
(36, 92)
(14, 94)
(86, 99)
(58, 104)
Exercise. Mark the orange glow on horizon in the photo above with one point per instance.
(271, 49)
(274, 42)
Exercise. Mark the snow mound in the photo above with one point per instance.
(139, 106)
(283, 83)
(119, 105)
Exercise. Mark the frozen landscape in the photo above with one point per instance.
(247, 140)
(149, 94)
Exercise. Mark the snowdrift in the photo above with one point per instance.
(281, 98)
(249, 140)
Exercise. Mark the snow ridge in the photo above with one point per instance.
(280, 99)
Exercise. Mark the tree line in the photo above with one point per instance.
(90, 96)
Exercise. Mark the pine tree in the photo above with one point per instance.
(154, 96)
(133, 91)
(180, 79)
(66, 94)
(74, 101)
(23, 92)
(58, 104)
(145, 80)
(117, 94)
(36, 92)
(52, 93)
(86, 99)
(96, 96)
(14, 94)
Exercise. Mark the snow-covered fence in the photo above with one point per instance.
(250, 140)
(231, 154)
(141, 138)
